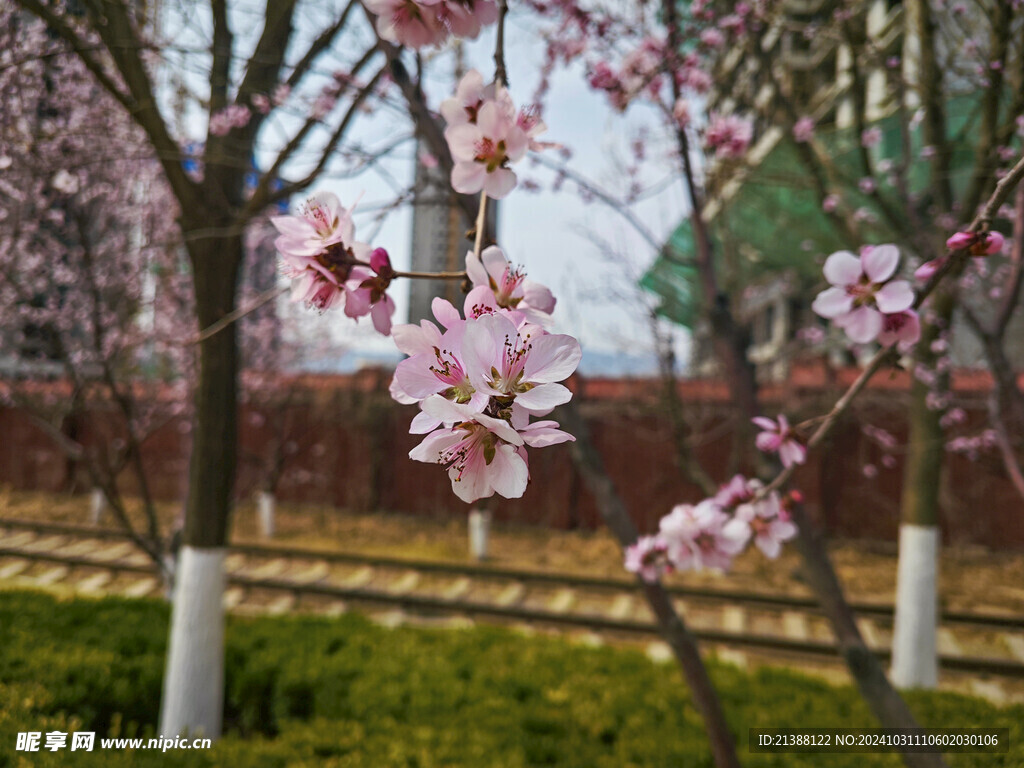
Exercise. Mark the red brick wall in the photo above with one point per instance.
(350, 446)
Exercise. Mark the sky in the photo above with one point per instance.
(586, 253)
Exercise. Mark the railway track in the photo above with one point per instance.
(987, 649)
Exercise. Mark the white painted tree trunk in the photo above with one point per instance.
(193, 696)
(914, 657)
(97, 506)
(266, 504)
(479, 533)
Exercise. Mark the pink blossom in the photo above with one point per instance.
(261, 102)
(862, 291)
(320, 254)
(867, 185)
(482, 454)
(648, 558)
(953, 416)
(712, 38)
(979, 243)
(830, 203)
(408, 22)
(803, 130)
(511, 288)
(470, 95)
(729, 136)
(436, 367)
(232, 116)
(530, 123)
(702, 536)
(484, 150)
(696, 79)
(681, 112)
(737, 491)
(281, 93)
(518, 366)
(602, 77)
(870, 137)
(372, 293)
(465, 18)
(778, 437)
(766, 523)
(900, 327)
(323, 222)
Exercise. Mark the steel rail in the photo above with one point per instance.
(741, 597)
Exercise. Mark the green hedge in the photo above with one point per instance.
(305, 691)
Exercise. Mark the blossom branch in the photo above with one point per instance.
(980, 223)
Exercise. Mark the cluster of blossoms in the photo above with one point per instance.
(232, 116)
(486, 134)
(710, 534)
(638, 73)
(865, 300)
(419, 23)
(728, 136)
(480, 378)
(329, 268)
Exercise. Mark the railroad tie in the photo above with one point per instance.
(563, 601)
(18, 539)
(94, 583)
(795, 625)
(51, 576)
(359, 578)
(1015, 643)
(141, 588)
(732, 656)
(83, 547)
(233, 596)
(870, 632)
(622, 607)
(734, 619)
(336, 609)
(115, 551)
(234, 563)
(589, 639)
(456, 589)
(391, 619)
(947, 643)
(404, 585)
(318, 571)
(659, 652)
(512, 594)
(989, 689)
(137, 558)
(269, 569)
(280, 605)
(13, 569)
(45, 544)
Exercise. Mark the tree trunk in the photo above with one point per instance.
(266, 503)
(914, 648)
(884, 701)
(193, 693)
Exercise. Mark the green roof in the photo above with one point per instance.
(774, 220)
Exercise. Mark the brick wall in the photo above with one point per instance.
(348, 444)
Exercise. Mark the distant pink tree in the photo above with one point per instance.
(92, 285)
